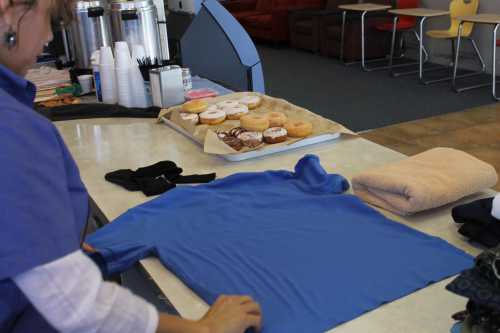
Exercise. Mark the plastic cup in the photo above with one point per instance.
(108, 83)
(138, 53)
(106, 56)
(123, 59)
(86, 83)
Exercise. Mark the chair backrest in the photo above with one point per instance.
(462, 8)
(401, 4)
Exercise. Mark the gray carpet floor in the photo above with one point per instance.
(356, 99)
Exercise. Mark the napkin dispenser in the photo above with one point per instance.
(167, 88)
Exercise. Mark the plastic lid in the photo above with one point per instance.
(84, 5)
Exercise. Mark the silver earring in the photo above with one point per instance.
(10, 38)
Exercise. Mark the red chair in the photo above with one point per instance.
(405, 23)
(498, 42)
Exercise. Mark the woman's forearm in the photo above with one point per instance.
(71, 296)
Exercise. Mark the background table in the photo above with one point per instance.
(362, 8)
(103, 145)
(423, 14)
(490, 19)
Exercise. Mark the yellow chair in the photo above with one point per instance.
(459, 8)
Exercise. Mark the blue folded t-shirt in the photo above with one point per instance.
(310, 255)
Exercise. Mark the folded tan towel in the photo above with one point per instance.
(424, 181)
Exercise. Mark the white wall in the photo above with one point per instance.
(441, 51)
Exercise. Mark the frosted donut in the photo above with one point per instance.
(251, 139)
(298, 128)
(254, 122)
(190, 117)
(233, 142)
(276, 119)
(227, 104)
(235, 113)
(213, 108)
(195, 106)
(213, 117)
(251, 101)
(275, 135)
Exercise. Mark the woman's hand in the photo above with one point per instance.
(232, 314)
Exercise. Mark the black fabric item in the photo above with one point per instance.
(96, 110)
(195, 179)
(487, 234)
(485, 317)
(155, 186)
(481, 284)
(478, 223)
(472, 285)
(475, 211)
(155, 179)
(124, 178)
(164, 168)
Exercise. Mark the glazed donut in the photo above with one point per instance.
(227, 104)
(254, 122)
(275, 135)
(235, 112)
(276, 119)
(195, 106)
(190, 117)
(212, 117)
(251, 139)
(298, 128)
(251, 101)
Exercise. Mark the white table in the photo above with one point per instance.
(363, 8)
(103, 145)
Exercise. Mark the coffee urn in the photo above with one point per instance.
(89, 31)
(136, 22)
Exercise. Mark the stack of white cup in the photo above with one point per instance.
(140, 95)
(107, 75)
(122, 69)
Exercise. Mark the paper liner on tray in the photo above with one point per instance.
(206, 135)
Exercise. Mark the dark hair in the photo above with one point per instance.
(62, 11)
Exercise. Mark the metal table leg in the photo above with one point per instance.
(420, 50)
(457, 59)
(363, 65)
(494, 64)
(393, 42)
(342, 35)
(423, 58)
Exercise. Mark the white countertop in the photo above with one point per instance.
(103, 145)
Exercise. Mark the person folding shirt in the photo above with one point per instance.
(312, 256)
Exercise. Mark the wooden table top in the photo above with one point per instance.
(481, 18)
(365, 7)
(419, 12)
